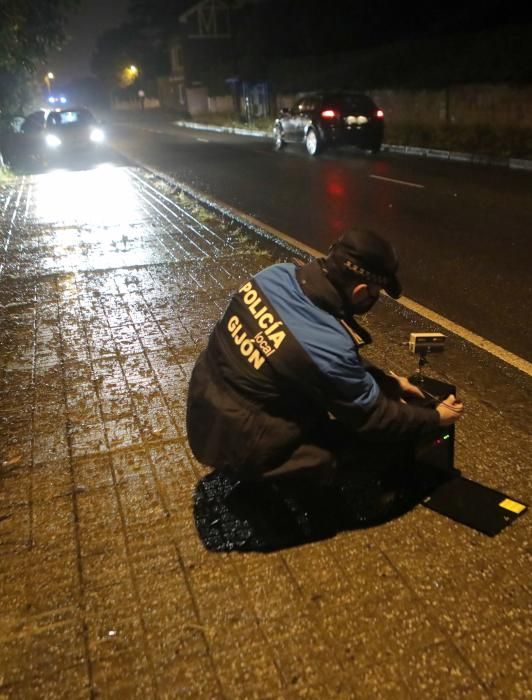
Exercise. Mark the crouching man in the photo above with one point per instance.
(281, 387)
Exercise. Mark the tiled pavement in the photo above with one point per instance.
(109, 284)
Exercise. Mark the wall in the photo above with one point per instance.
(197, 100)
(223, 104)
(172, 93)
(149, 103)
(501, 105)
(465, 105)
(495, 105)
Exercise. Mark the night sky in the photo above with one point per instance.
(92, 18)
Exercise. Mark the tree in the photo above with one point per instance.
(29, 29)
(115, 49)
(119, 48)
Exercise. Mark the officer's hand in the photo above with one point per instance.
(450, 410)
(406, 386)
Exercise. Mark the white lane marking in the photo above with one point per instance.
(151, 129)
(495, 350)
(167, 132)
(398, 182)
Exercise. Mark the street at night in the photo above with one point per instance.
(265, 350)
(459, 228)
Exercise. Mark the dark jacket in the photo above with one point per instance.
(278, 363)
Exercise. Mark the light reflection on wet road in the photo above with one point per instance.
(108, 288)
(106, 217)
(462, 231)
(101, 197)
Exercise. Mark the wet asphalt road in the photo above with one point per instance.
(463, 232)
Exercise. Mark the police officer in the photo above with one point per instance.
(281, 387)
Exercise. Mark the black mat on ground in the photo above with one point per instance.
(276, 515)
(474, 505)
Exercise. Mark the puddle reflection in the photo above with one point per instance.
(89, 219)
(104, 195)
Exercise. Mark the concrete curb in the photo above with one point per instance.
(223, 129)
(231, 215)
(435, 153)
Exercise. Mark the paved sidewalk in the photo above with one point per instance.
(110, 588)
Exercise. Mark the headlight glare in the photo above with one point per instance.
(52, 140)
(97, 135)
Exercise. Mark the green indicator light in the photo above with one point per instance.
(446, 437)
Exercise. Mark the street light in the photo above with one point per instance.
(128, 75)
(47, 79)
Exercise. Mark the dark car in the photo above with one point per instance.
(322, 119)
(10, 134)
(48, 136)
(72, 130)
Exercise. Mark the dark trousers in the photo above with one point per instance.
(335, 449)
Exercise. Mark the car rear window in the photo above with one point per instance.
(352, 103)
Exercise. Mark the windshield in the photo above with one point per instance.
(80, 117)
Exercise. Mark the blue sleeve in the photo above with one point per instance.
(322, 337)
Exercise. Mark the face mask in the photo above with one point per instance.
(362, 307)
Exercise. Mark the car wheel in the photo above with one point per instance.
(312, 142)
(278, 141)
(376, 148)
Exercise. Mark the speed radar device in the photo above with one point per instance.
(463, 500)
(438, 453)
(423, 343)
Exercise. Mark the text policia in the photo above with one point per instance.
(269, 335)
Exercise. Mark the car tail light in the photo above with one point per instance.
(329, 114)
(379, 114)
